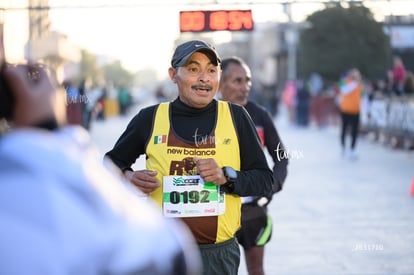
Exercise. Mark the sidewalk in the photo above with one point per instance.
(334, 216)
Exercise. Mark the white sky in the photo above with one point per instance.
(141, 33)
(141, 36)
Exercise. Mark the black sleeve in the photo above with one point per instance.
(131, 144)
(255, 177)
(276, 150)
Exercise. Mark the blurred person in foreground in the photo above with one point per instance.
(350, 92)
(202, 155)
(256, 223)
(62, 211)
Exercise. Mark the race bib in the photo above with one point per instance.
(190, 196)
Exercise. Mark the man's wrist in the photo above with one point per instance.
(229, 186)
(128, 173)
(231, 176)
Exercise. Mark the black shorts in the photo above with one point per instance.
(256, 227)
(221, 258)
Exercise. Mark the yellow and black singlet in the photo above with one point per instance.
(172, 133)
(169, 154)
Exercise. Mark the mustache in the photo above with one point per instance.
(203, 87)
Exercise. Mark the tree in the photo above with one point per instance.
(108, 74)
(115, 74)
(89, 69)
(341, 38)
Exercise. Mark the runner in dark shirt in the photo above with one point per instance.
(256, 229)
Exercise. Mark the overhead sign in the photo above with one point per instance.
(218, 20)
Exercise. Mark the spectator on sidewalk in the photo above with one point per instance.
(316, 86)
(209, 144)
(409, 84)
(302, 103)
(350, 104)
(74, 106)
(256, 224)
(102, 104)
(62, 211)
(92, 107)
(398, 75)
(124, 100)
(289, 100)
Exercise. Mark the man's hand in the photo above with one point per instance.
(145, 180)
(36, 95)
(210, 171)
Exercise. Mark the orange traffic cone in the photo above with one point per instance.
(412, 189)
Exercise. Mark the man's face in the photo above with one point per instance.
(197, 80)
(236, 84)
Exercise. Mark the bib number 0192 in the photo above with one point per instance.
(189, 197)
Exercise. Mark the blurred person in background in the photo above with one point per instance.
(398, 75)
(256, 224)
(388, 89)
(350, 87)
(316, 86)
(289, 100)
(160, 94)
(74, 106)
(302, 103)
(124, 100)
(101, 102)
(62, 211)
(409, 84)
(92, 107)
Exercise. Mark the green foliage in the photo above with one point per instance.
(110, 74)
(342, 38)
(114, 73)
(89, 69)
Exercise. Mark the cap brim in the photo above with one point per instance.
(211, 54)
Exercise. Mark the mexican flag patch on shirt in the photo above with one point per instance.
(160, 139)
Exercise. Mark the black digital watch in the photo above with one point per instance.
(231, 177)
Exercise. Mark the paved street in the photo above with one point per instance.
(334, 216)
(337, 216)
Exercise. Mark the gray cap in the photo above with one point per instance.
(185, 50)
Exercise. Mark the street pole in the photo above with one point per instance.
(291, 39)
